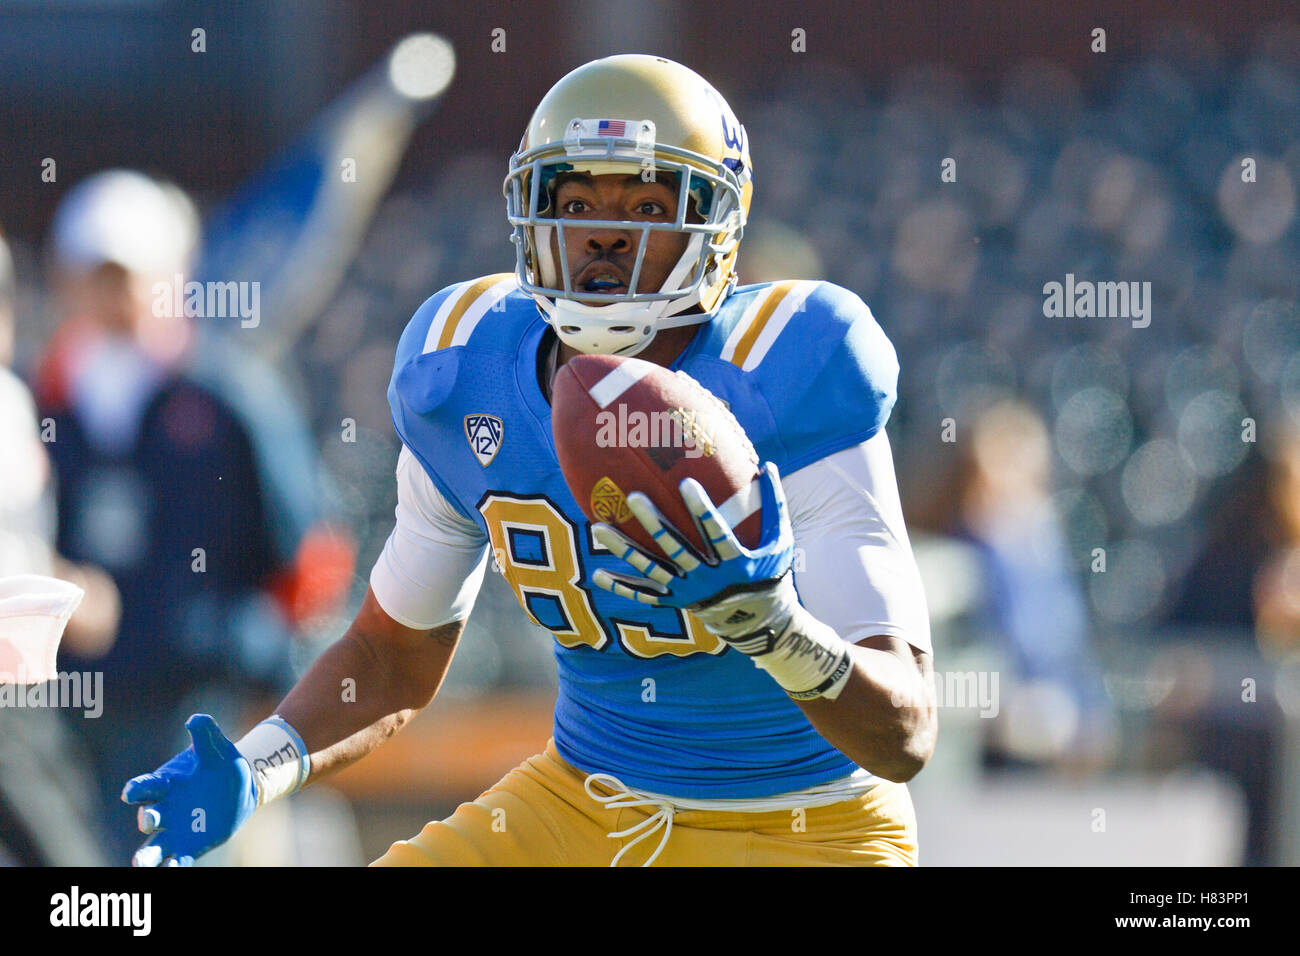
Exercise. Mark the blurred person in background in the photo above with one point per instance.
(1055, 710)
(183, 471)
(1276, 591)
(46, 796)
(1242, 591)
(1247, 576)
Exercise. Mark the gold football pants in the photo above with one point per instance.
(540, 814)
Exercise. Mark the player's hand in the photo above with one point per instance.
(193, 802)
(732, 590)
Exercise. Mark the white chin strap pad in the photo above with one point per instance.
(618, 328)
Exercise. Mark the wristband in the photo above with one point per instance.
(808, 659)
(278, 756)
(803, 655)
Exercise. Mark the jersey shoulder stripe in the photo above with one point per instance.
(814, 363)
(461, 310)
(763, 320)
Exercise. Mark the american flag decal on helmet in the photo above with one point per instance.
(611, 128)
(484, 434)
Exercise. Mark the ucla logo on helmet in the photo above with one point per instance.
(735, 138)
(484, 433)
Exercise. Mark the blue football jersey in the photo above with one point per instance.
(645, 693)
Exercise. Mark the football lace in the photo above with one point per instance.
(725, 410)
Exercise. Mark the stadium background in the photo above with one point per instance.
(1122, 165)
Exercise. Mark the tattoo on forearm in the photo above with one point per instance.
(447, 635)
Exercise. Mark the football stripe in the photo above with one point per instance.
(613, 384)
(779, 291)
(465, 300)
(482, 305)
(790, 304)
(440, 318)
(742, 504)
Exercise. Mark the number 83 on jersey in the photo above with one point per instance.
(536, 549)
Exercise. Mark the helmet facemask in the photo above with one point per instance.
(624, 323)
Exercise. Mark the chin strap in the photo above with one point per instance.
(593, 325)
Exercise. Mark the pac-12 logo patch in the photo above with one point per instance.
(608, 503)
(484, 434)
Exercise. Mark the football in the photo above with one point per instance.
(624, 424)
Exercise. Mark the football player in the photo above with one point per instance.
(760, 706)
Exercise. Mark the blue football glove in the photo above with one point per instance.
(195, 801)
(745, 597)
(751, 587)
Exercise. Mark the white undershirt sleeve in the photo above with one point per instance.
(431, 568)
(854, 568)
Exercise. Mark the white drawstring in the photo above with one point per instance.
(625, 798)
(820, 795)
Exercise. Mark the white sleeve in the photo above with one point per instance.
(432, 566)
(854, 568)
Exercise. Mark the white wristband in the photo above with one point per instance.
(806, 657)
(808, 660)
(278, 756)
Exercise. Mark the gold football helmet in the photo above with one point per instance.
(628, 114)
